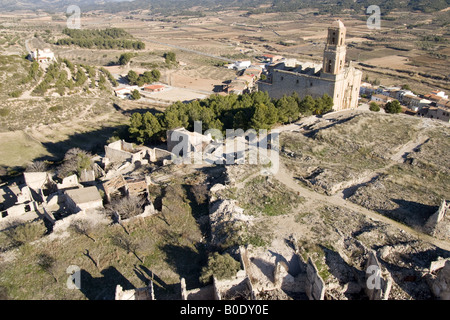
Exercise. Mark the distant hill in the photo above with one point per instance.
(253, 6)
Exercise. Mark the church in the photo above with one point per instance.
(334, 77)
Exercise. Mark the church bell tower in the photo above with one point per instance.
(335, 49)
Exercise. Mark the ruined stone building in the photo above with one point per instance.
(334, 77)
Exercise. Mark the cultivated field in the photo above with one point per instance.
(402, 52)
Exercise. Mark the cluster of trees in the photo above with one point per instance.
(54, 77)
(110, 77)
(255, 110)
(141, 79)
(110, 38)
(34, 73)
(58, 78)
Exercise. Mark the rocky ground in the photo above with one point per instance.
(350, 184)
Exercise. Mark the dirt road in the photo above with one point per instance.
(285, 177)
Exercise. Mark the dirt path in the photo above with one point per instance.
(285, 177)
(408, 148)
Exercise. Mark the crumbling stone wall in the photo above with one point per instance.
(160, 155)
(436, 218)
(119, 151)
(135, 294)
(439, 279)
(113, 185)
(315, 286)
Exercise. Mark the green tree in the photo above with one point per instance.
(264, 117)
(373, 106)
(170, 57)
(288, 110)
(323, 104)
(136, 129)
(75, 161)
(406, 87)
(132, 77)
(393, 107)
(135, 94)
(145, 128)
(307, 105)
(80, 77)
(125, 58)
(152, 128)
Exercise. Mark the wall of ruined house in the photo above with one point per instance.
(20, 209)
(229, 289)
(115, 155)
(135, 294)
(82, 207)
(433, 221)
(385, 284)
(314, 286)
(439, 282)
(161, 154)
(70, 182)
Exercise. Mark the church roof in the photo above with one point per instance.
(338, 24)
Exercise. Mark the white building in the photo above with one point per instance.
(45, 55)
(240, 65)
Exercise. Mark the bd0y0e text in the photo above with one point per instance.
(247, 309)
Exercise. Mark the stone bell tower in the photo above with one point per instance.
(335, 49)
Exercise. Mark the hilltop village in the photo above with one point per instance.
(315, 224)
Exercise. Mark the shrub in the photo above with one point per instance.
(374, 107)
(170, 57)
(393, 107)
(55, 108)
(15, 94)
(19, 234)
(126, 207)
(75, 160)
(135, 95)
(37, 166)
(220, 266)
(4, 112)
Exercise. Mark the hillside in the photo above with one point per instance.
(331, 216)
(253, 6)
